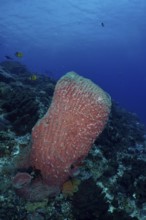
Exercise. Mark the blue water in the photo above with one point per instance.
(57, 36)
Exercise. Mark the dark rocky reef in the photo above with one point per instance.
(123, 130)
(92, 204)
(21, 97)
(112, 177)
(89, 204)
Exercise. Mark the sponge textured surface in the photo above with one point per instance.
(64, 136)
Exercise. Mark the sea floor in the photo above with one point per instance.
(110, 183)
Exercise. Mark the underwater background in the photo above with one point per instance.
(40, 41)
(103, 40)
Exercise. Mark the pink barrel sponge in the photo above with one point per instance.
(64, 136)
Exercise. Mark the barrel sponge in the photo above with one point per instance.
(64, 136)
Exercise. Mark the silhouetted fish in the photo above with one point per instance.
(102, 24)
(8, 57)
(19, 54)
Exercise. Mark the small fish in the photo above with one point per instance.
(8, 57)
(19, 54)
(33, 77)
(102, 24)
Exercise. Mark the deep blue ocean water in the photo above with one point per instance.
(103, 40)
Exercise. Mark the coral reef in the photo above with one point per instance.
(16, 106)
(111, 179)
(89, 204)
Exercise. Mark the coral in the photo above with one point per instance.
(15, 68)
(77, 115)
(21, 97)
(89, 202)
(5, 76)
(21, 180)
(18, 106)
(123, 130)
(33, 206)
(70, 187)
(141, 191)
(32, 189)
(115, 164)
